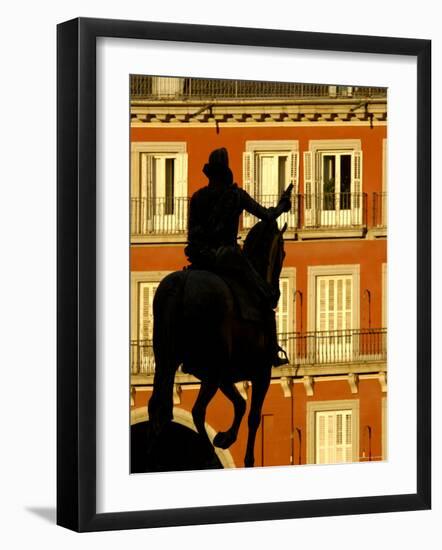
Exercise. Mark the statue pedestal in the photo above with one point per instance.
(177, 449)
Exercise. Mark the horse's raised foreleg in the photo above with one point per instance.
(259, 390)
(207, 391)
(225, 439)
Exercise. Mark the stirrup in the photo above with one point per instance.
(279, 361)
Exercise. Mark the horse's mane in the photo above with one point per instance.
(257, 244)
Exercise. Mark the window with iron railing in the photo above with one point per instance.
(333, 194)
(159, 200)
(268, 169)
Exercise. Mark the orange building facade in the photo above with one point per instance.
(330, 403)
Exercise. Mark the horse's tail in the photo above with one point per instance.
(167, 313)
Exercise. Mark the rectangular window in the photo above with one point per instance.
(273, 177)
(159, 192)
(161, 189)
(267, 173)
(333, 188)
(334, 317)
(335, 183)
(333, 437)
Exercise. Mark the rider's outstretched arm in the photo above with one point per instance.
(263, 213)
(254, 208)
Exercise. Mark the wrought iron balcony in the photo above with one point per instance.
(317, 348)
(333, 210)
(142, 360)
(159, 216)
(335, 346)
(173, 88)
(164, 216)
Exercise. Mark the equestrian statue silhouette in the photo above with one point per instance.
(215, 318)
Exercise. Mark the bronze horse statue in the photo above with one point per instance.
(197, 325)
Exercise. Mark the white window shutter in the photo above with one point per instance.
(146, 296)
(321, 453)
(145, 306)
(334, 302)
(248, 183)
(333, 437)
(334, 318)
(181, 179)
(283, 316)
(282, 311)
(348, 438)
(181, 193)
(147, 195)
(248, 179)
(357, 184)
(294, 172)
(309, 191)
(322, 313)
(146, 184)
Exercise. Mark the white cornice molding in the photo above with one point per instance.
(146, 113)
(249, 123)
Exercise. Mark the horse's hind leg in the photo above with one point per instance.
(259, 390)
(225, 439)
(207, 391)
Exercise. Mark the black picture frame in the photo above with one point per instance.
(76, 274)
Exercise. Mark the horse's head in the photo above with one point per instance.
(264, 247)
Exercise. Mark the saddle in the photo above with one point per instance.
(247, 304)
(248, 292)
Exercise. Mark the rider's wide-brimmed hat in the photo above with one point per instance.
(218, 165)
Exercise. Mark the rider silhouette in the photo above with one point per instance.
(213, 232)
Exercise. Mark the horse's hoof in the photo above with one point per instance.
(249, 461)
(223, 440)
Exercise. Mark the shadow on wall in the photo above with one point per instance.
(178, 448)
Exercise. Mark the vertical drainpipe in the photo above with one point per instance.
(292, 429)
(368, 293)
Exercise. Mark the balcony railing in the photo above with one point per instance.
(380, 210)
(335, 346)
(168, 88)
(304, 349)
(142, 360)
(333, 210)
(159, 216)
(163, 216)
